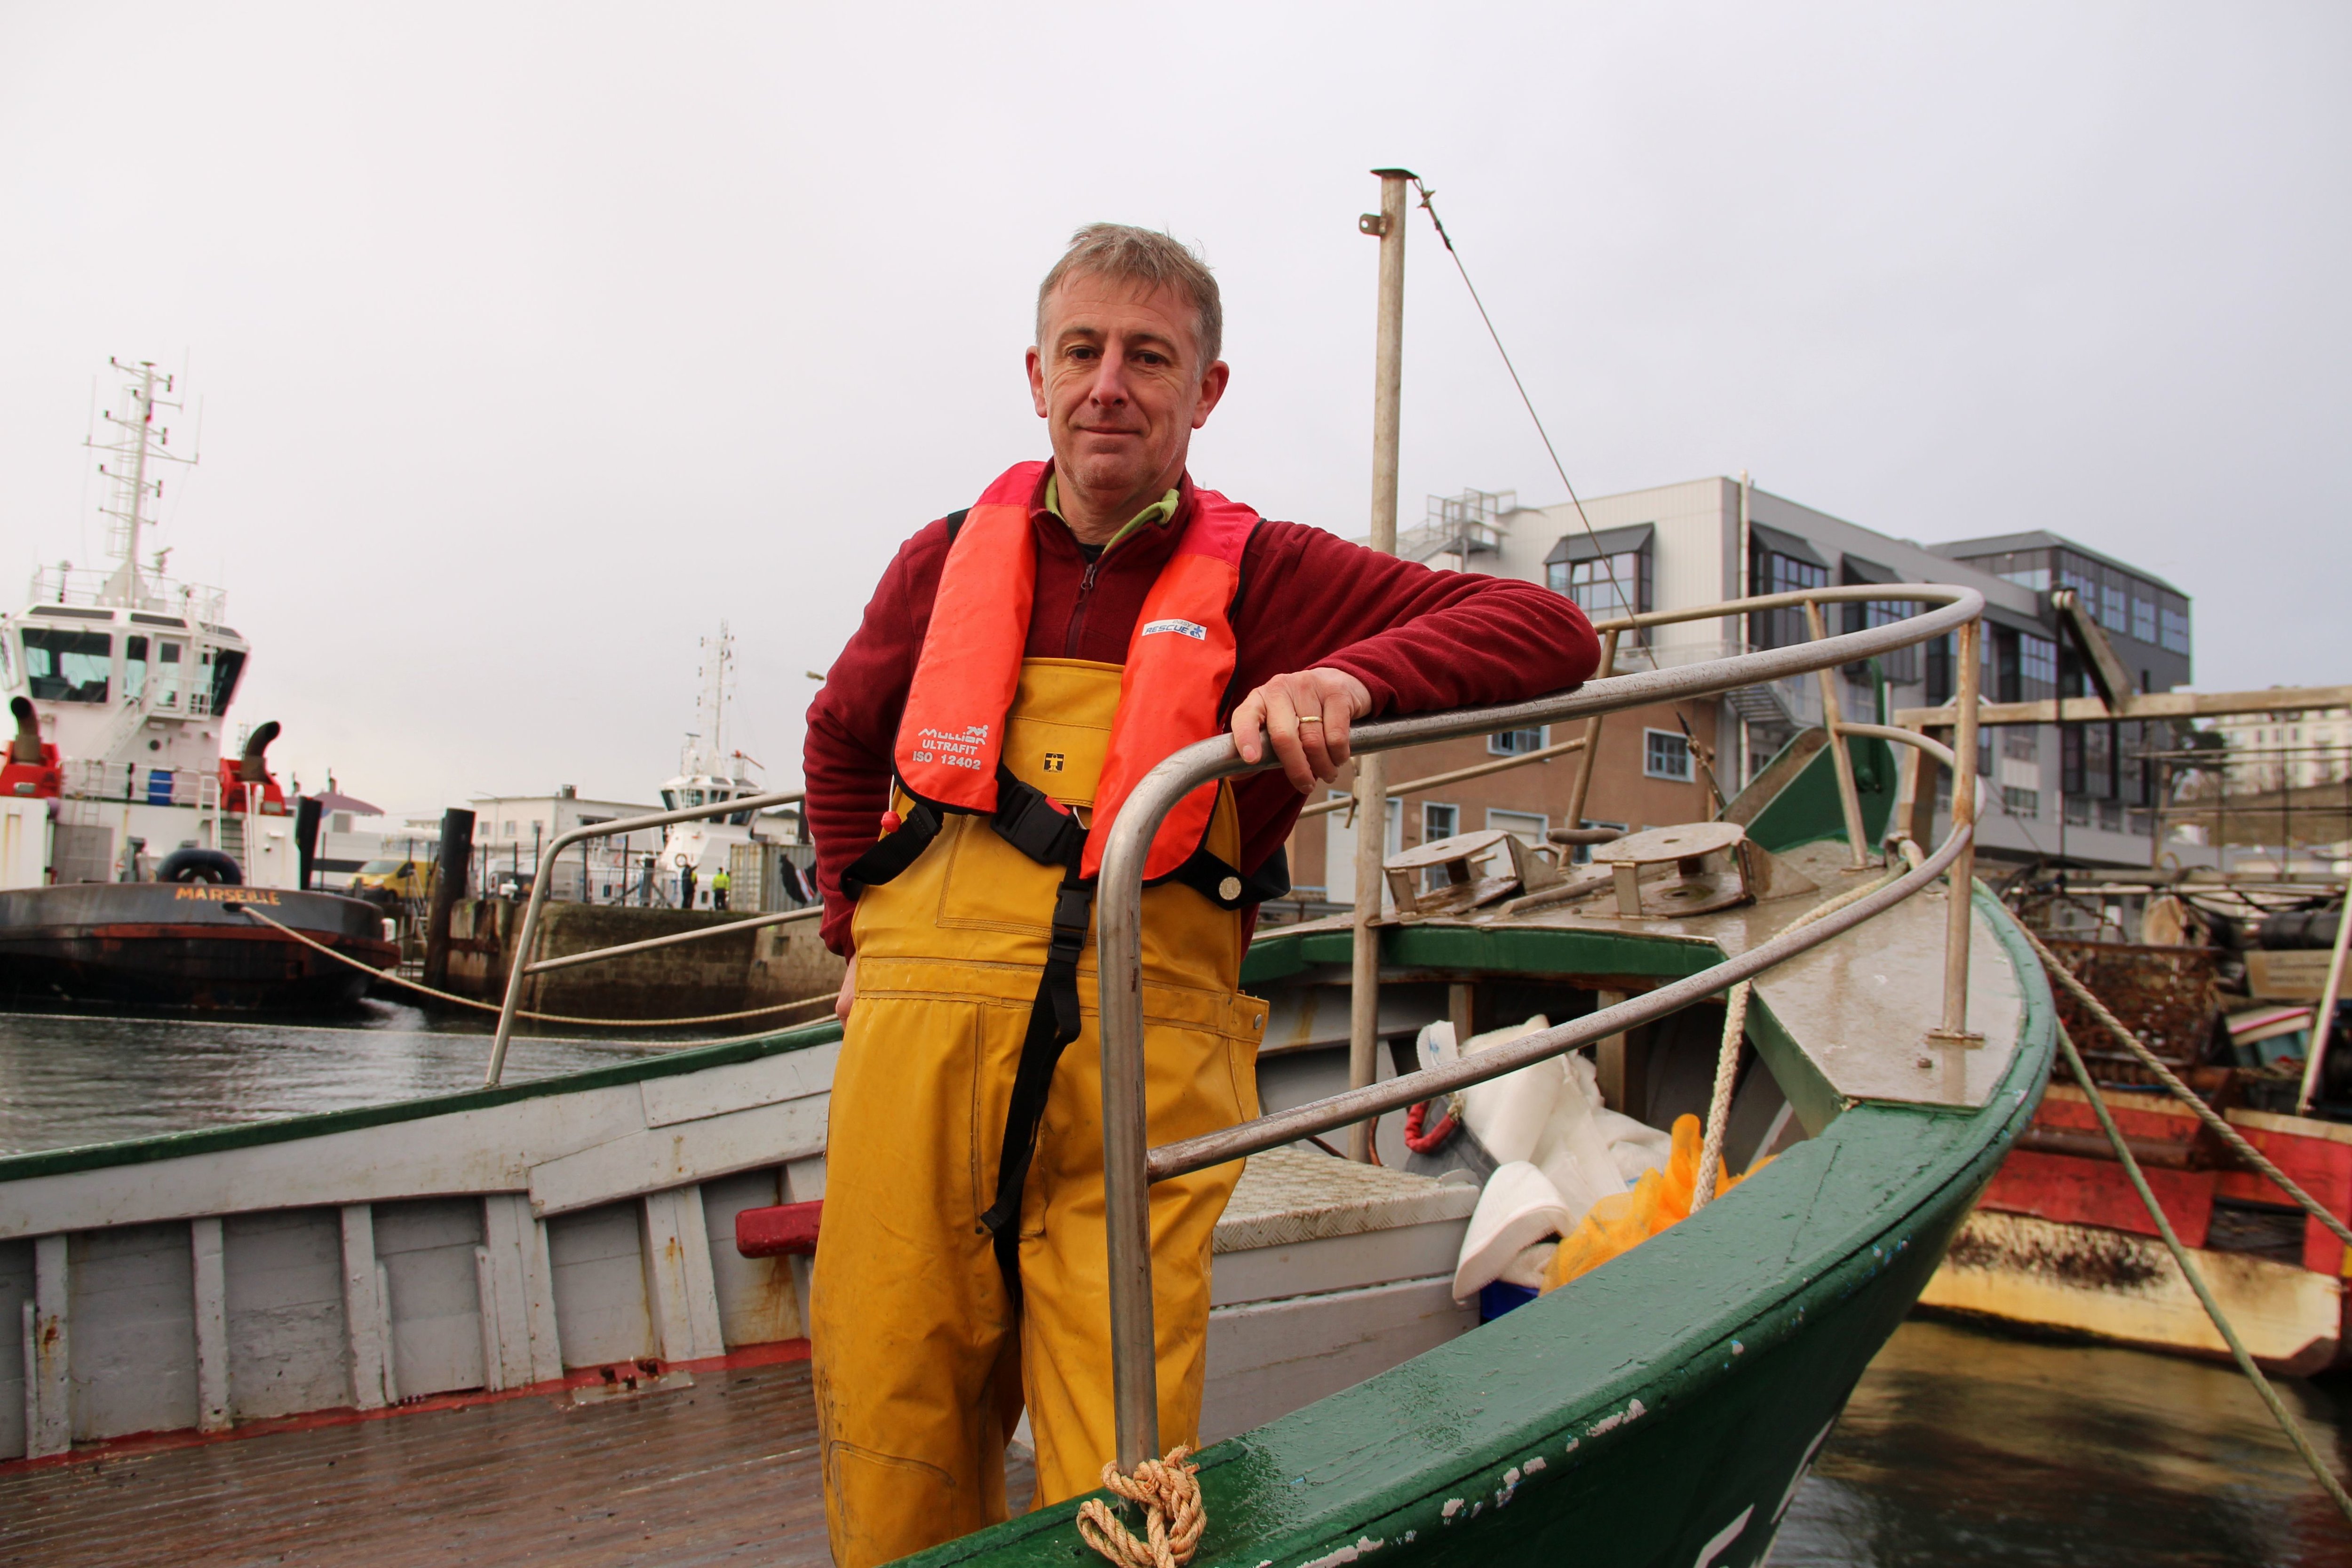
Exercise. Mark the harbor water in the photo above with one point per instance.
(67, 1078)
(1960, 1446)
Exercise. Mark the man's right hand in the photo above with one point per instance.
(848, 996)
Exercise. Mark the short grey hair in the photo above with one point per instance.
(1125, 254)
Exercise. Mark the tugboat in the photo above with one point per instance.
(132, 849)
(710, 774)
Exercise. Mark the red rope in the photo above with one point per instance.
(1430, 1142)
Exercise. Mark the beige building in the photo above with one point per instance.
(2086, 792)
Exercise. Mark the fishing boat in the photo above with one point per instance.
(610, 1242)
(126, 809)
(2234, 994)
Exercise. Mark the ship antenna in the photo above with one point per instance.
(137, 447)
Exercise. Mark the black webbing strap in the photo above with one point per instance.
(1226, 888)
(1053, 1023)
(897, 850)
(1051, 837)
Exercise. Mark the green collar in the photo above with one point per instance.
(1158, 513)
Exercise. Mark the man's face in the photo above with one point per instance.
(1117, 379)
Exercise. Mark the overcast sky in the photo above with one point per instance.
(533, 341)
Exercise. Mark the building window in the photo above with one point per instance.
(2037, 669)
(2021, 742)
(1607, 588)
(2143, 615)
(1900, 666)
(1607, 573)
(1666, 754)
(2025, 802)
(1781, 563)
(2173, 624)
(1528, 827)
(2026, 568)
(1517, 743)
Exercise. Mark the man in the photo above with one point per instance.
(1021, 666)
(720, 882)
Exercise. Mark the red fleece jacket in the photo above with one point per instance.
(1418, 640)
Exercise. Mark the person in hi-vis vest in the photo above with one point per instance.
(1023, 663)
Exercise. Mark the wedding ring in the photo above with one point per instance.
(1310, 717)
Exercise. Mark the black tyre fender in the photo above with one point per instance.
(200, 866)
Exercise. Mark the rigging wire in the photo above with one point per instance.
(1616, 588)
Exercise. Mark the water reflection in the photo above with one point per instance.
(1963, 1445)
(69, 1078)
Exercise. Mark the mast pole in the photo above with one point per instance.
(146, 412)
(1371, 772)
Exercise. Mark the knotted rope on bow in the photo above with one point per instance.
(1168, 1493)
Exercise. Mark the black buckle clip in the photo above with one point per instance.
(1073, 913)
(1029, 822)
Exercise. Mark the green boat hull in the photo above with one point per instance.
(1660, 1410)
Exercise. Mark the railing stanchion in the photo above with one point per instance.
(1582, 788)
(1127, 1188)
(518, 970)
(1959, 919)
(1834, 720)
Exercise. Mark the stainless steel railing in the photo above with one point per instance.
(523, 967)
(1130, 1165)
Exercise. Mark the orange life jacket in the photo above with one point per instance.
(1179, 662)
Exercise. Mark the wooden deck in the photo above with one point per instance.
(724, 1471)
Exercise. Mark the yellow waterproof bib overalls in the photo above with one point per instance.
(923, 1358)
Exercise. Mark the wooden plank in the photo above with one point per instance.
(211, 1307)
(2140, 705)
(135, 1331)
(509, 1236)
(15, 1345)
(517, 1483)
(486, 1293)
(652, 1160)
(425, 1248)
(597, 1262)
(51, 1415)
(287, 1342)
(768, 1081)
(679, 1283)
(2126, 1288)
(539, 1299)
(2071, 1190)
(1269, 1358)
(757, 1303)
(366, 1324)
(463, 1153)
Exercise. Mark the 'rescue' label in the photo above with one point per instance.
(1193, 629)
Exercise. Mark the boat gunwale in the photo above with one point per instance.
(1397, 1507)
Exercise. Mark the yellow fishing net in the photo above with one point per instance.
(1622, 1222)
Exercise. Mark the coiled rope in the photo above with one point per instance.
(521, 1013)
(1168, 1492)
(1734, 1029)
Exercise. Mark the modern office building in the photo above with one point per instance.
(2084, 791)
